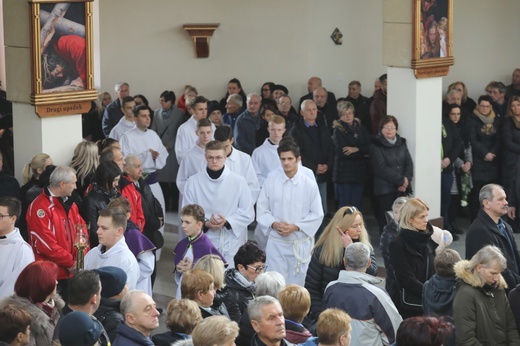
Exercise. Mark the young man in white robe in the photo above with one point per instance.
(226, 200)
(147, 145)
(238, 161)
(289, 212)
(112, 249)
(127, 122)
(15, 253)
(186, 135)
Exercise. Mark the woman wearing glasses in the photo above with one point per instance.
(392, 167)
(345, 228)
(412, 253)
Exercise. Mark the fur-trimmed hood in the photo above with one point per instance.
(338, 124)
(461, 272)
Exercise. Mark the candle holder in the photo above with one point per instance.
(80, 243)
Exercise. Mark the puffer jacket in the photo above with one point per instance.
(349, 168)
(484, 139)
(109, 314)
(390, 164)
(482, 314)
(236, 296)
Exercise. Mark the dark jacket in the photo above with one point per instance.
(310, 151)
(510, 152)
(377, 110)
(350, 168)
(109, 314)
(412, 254)
(484, 231)
(327, 115)
(127, 336)
(167, 338)
(438, 295)
(390, 164)
(484, 139)
(452, 144)
(318, 277)
(296, 332)
(482, 314)
(9, 186)
(236, 296)
(389, 233)
(28, 192)
(111, 116)
(514, 302)
(257, 342)
(246, 332)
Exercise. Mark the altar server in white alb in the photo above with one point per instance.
(186, 136)
(112, 249)
(238, 161)
(226, 200)
(127, 122)
(290, 212)
(147, 145)
(15, 253)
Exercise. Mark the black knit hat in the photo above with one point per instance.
(79, 329)
(113, 281)
(213, 106)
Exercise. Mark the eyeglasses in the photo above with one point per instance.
(2, 216)
(389, 127)
(350, 211)
(258, 269)
(214, 158)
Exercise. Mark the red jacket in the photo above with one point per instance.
(130, 192)
(51, 231)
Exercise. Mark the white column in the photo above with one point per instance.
(417, 105)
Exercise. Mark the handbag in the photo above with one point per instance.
(410, 302)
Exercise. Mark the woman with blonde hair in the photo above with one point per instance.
(467, 102)
(85, 161)
(215, 330)
(333, 329)
(182, 317)
(412, 253)
(481, 310)
(214, 265)
(346, 227)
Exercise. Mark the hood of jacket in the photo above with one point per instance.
(441, 293)
(462, 273)
(341, 125)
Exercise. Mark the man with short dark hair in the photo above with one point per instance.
(51, 223)
(361, 104)
(113, 113)
(378, 106)
(112, 249)
(267, 319)
(141, 318)
(513, 89)
(498, 94)
(289, 212)
(127, 122)
(489, 229)
(15, 252)
(375, 318)
(247, 124)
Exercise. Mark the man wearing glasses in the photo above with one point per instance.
(289, 212)
(226, 199)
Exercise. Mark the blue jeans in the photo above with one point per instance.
(350, 194)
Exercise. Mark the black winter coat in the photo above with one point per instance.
(390, 231)
(350, 168)
(390, 164)
(236, 297)
(319, 276)
(452, 144)
(412, 265)
(109, 314)
(484, 231)
(362, 107)
(308, 148)
(484, 139)
(510, 152)
(94, 201)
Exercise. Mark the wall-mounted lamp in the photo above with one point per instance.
(201, 34)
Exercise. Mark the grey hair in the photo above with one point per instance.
(489, 255)
(304, 103)
(357, 256)
(251, 95)
(127, 303)
(61, 174)
(454, 91)
(185, 342)
(237, 99)
(486, 192)
(399, 202)
(280, 98)
(345, 106)
(254, 308)
(269, 284)
(119, 85)
(130, 159)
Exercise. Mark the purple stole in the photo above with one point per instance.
(201, 245)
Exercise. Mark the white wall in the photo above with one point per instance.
(285, 42)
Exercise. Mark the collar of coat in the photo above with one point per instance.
(462, 272)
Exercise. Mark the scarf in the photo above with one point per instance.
(244, 282)
(419, 240)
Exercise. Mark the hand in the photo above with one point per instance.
(322, 169)
(184, 265)
(78, 82)
(401, 188)
(406, 182)
(466, 167)
(216, 222)
(350, 150)
(155, 154)
(489, 157)
(283, 228)
(511, 212)
(345, 238)
(73, 270)
(445, 162)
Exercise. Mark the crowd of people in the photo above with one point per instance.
(80, 242)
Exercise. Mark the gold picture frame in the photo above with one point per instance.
(432, 53)
(62, 56)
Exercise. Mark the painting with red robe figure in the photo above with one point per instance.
(434, 29)
(62, 47)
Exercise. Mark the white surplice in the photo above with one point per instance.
(15, 255)
(241, 164)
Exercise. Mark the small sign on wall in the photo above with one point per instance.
(55, 110)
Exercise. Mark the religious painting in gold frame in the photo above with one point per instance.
(62, 56)
(432, 37)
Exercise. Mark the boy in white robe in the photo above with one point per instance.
(15, 253)
(226, 200)
(127, 122)
(112, 249)
(289, 211)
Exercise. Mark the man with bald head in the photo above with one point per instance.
(327, 111)
(312, 84)
(316, 146)
(513, 89)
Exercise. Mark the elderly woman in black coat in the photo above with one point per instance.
(392, 167)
